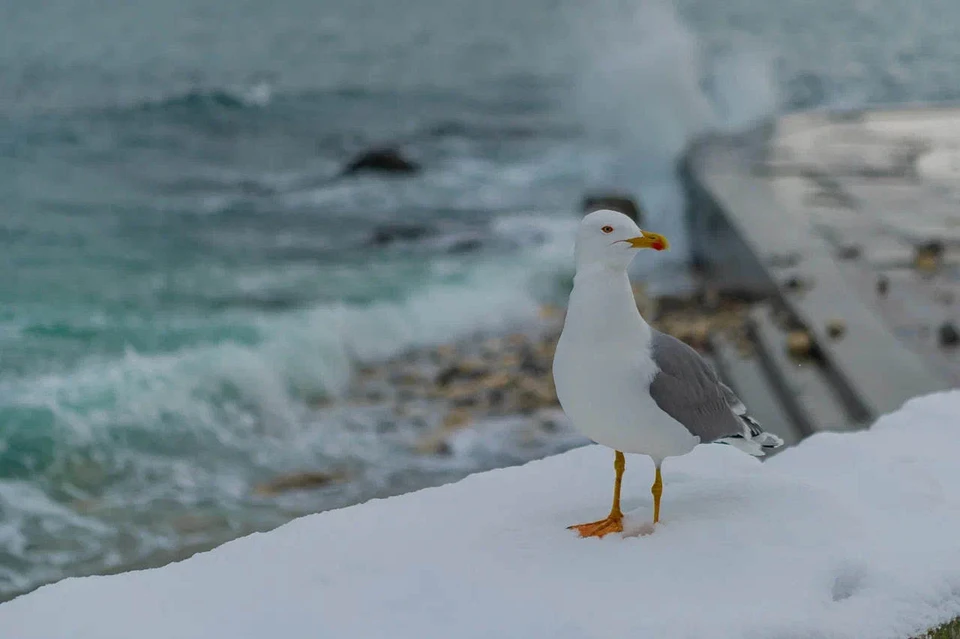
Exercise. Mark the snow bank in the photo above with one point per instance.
(846, 535)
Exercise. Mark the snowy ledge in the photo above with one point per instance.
(845, 535)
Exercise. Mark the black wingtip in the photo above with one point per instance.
(752, 424)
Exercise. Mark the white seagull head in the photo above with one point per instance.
(610, 239)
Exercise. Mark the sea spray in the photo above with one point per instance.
(643, 92)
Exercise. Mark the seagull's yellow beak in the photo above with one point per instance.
(649, 240)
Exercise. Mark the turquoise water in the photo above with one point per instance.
(183, 271)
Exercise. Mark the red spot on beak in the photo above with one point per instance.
(657, 245)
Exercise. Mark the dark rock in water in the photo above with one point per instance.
(948, 334)
(465, 245)
(390, 233)
(383, 160)
(615, 202)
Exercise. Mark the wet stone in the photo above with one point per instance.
(836, 328)
(381, 160)
(799, 344)
(457, 418)
(928, 257)
(948, 335)
(883, 285)
(298, 481)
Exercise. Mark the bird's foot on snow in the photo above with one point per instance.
(612, 524)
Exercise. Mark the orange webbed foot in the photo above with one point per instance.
(612, 524)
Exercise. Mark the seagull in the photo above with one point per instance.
(628, 386)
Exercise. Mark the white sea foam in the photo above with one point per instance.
(309, 351)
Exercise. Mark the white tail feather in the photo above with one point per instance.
(753, 439)
(768, 440)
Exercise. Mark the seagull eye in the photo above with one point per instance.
(607, 229)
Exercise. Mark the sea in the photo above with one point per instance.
(184, 267)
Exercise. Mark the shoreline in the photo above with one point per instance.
(452, 388)
(487, 392)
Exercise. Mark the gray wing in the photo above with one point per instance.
(688, 389)
(732, 400)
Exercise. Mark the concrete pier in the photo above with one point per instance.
(847, 227)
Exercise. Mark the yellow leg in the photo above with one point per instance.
(614, 521)
(657, 490)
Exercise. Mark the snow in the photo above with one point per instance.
(844, 535)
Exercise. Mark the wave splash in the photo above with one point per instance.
(128, 447)
(648, 85)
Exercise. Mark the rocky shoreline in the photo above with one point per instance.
(449, 389)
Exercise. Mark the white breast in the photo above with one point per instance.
(602, 369)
